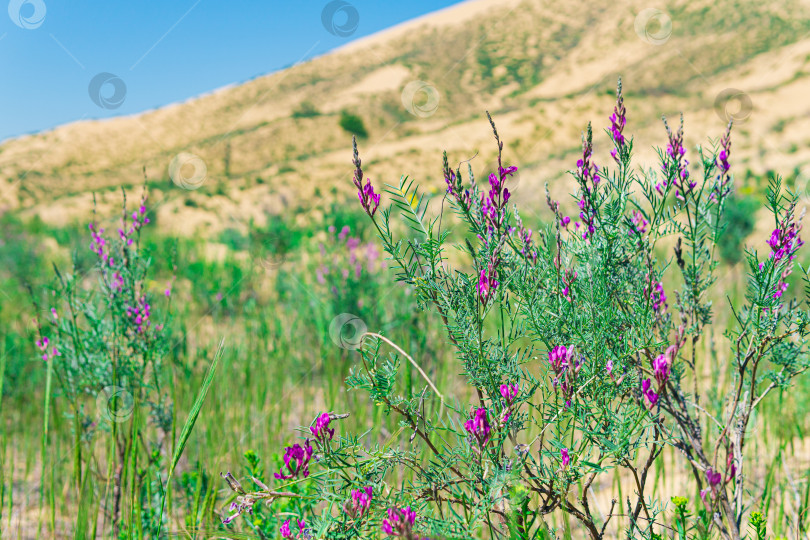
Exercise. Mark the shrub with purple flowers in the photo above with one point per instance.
(102, 343)
(581, 347)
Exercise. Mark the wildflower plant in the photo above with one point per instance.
(102, 343)
(580, 345)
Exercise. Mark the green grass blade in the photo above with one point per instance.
(185, 433)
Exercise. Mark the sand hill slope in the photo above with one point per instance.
(544, 69)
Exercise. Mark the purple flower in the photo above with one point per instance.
(493, 203)
(453, 186)
(648, 393)
(659, 299)
(361, 501)
(117, 282)
(42, 345)
(369, 200)
(565, 370)
(321, 430)
(731, 468)
(784, 243)
(609, 367)
(296, 458)
(478, 426)
(676, 167)
(568, 278)
(509, 392)
(399, 522)
(140, 314)
(487, 282)
(285, 531)
(661, 367)
(560, 358)
(617, 122)
(721, 162)
(526, 245)
(587, 175)
(639, 224)
(713, 478)
(566, 459)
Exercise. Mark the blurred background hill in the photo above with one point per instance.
(542, 70)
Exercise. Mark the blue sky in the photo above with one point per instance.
(69, 60)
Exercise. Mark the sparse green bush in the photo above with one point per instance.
(353, 124)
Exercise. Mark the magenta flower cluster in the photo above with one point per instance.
(565, 458)
(527, 248)
(455, 186)
(399, 522)
(677, 164)
(559, 358)
(661, 366)
(369, 200)
(285, 531)
(493, 203)
(138, 220)
(296, 459)
(714, 479)
(478, 426)
(488, 281)
(723, 166)
(42, 345)
(140, 314)
(784, 243)
(361, 502)
(347, 258)
(658, 298)
(509, 393)
(321, 430)
(568, 278)
(618, 120)
(99, 243)
(565, 368)
(588, 175)
(649, 394)
(661, 370)
(128, 232)
(638, 223)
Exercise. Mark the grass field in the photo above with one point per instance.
(272, 296)
(270, 255)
